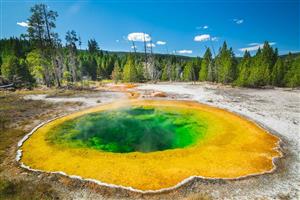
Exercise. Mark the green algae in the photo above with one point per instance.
(134, 129)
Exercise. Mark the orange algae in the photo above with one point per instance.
(233, 147)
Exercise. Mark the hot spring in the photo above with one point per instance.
(151, 144)
(135, 129)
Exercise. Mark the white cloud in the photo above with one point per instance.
(202, 27)
(253, 44)
(255, 47)
(161, 42)
(23, 24)
(184, 51)
(252, 48)
(134, 47)
(150, 45)
(117, 40)
(214, 39)
(238, 21)
(201, 38)
(139, 37)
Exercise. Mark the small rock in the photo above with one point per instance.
(24, 174)
(159, 94)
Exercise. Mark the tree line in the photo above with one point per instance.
(266, 67)
(40, 57)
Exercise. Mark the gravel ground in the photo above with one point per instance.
(88, 100)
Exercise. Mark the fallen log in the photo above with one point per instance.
(7, 86)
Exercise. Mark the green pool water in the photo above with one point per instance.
(134, 129)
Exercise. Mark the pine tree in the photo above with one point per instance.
(259, 73)
(189, 73)
(279, 70)
(288, 61)
(174, 72)
(71, 40)
(40, 32)
(130, 72)
(264, 61)
(226, 65)
(14, 68)
(35, 63)
(140, 71)
(292, 77)
(203, 74)
(167, 71)
(197, 66)
(116, 73)
(244, 70)
(269, 56)
(93, 46)
(9, 66)
(92, 69)
(23, 72)
(212, 72)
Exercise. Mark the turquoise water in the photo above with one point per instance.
(130, 130)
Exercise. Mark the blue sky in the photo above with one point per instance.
(186, 27)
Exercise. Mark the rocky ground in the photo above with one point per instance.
(278, 110)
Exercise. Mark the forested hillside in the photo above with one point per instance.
(39, 57)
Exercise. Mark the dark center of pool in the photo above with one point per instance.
(130, 130)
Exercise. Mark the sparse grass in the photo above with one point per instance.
(14, 113)
(198, 197)
(32, 92)
(107, 81)
(61, 93)
(68, 93)
(15, 110)
(26, 190)
(8, 137)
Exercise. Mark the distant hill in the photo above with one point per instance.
(123, 53)
(293, 54)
